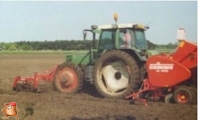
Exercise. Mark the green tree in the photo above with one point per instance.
(12, 46)
(151, 45)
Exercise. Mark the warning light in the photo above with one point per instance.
(115, 16)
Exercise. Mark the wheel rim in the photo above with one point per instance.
(183, 97)
(114, 77)
(67, 79)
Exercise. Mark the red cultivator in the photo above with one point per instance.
(171, 77)
(31, 83)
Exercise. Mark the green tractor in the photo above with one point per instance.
(114, 64)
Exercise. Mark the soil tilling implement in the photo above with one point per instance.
(31, 84)
(118, 64)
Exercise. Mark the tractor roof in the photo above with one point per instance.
(114, 26)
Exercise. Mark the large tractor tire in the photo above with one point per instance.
(116, 74)
(143, 72)
(68, 78)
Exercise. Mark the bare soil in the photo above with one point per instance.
(86, 105)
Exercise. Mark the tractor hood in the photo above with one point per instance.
(78, 58)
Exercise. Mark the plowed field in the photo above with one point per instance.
(51, 105)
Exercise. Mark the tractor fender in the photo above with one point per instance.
(137, 55)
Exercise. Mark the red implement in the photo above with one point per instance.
(168, 74)
(32, 82)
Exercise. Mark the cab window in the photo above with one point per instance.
(107, 39)
(140, 40)
(125, 38)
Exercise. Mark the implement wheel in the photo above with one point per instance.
(183, 95)
(68, 78)
(194, 93)
(168, 98)
(116, 74)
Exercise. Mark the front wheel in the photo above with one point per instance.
(68, 78)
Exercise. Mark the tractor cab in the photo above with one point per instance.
(127, 37)
(121, 36)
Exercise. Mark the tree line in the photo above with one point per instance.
(65, 45)
(47, 45)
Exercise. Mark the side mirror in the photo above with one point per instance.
(84, 35)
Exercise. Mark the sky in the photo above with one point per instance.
(65, 20)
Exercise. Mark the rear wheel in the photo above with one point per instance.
(116, 74)
(183, 95)
(68, 78)
(143, 72)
